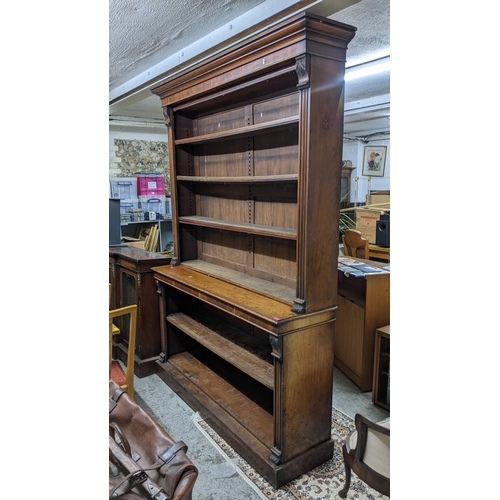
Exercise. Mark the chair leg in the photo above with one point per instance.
(345, 489)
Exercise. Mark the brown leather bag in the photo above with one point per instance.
(145, 462)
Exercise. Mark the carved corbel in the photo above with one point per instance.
(277, 346)
(302, 68)
(299, 306)
(166, 115)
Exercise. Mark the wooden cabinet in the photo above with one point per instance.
(381, 368)
(363, 306)
(345, 186)
(248, 305)
(132, 282)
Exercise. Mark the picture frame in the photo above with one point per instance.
(374, 161)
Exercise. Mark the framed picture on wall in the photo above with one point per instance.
(374, 161)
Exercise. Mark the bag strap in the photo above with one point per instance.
(113, 399)
(137, 476)
(166, 456)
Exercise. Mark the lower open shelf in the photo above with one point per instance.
(239, 407)
(243, 424)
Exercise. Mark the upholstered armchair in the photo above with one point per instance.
(367, 452)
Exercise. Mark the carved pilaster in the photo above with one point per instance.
(277, 353)
(163, 320)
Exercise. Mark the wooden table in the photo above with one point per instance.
(377, 252)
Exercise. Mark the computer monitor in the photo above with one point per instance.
(115, 230)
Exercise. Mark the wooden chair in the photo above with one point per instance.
(367, 452)
(355, 245)
(124, 379)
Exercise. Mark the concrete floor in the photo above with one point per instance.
(218, 478)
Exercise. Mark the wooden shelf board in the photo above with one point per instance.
(274, 291)
(241, 227)
(255, 419)
(247, 179)
(239, 357)
(237, 133)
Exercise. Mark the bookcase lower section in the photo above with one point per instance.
(258, 373)
(195, 391)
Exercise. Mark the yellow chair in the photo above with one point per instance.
(116, 330)
(355, 245)
(125, 379)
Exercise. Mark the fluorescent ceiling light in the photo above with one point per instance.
(369, 68)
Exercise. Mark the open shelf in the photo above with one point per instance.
(242, 132)
(242, 227)
(265, 288)
(223, 344)
(255, 419)
(248, 179)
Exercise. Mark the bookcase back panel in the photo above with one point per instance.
(276, 154)
(232, 161)
(222, 122)
(250, 254)
(232, 253)
(276, 258)
(184, 163)
(274, 109)
(234, 209)
(278, 212)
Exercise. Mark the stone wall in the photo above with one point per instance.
(133, 156)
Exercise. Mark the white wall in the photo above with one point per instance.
(354, 151)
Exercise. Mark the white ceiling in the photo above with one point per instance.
(150, 38)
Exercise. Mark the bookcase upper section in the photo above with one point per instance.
(255, 145)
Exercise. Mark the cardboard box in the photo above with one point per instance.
(381, 198)
(366, 222)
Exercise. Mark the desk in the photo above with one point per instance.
(377, 252)
(363, 306)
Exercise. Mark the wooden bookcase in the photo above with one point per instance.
(248, 302)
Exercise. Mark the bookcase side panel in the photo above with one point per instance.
(319, 183)
(306, 389)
